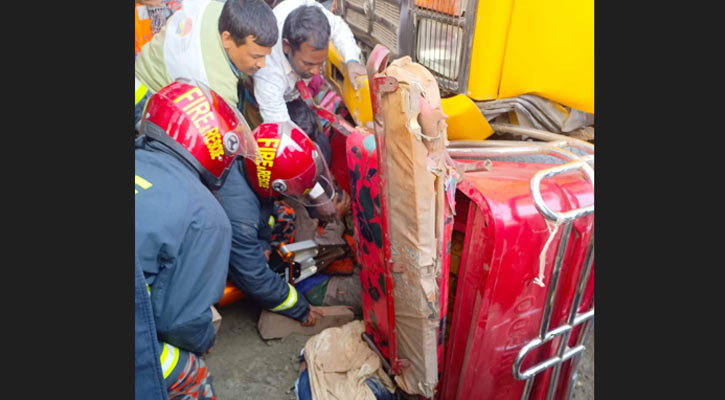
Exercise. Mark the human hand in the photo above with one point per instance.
(357, 73)
(430, 118)
(311, 319)
(342, 203)
(267, 253)
(327, 212)
(334, 209)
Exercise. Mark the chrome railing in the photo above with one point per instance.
(575, 318)
(572, 162)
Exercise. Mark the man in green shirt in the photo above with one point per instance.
(215, 43)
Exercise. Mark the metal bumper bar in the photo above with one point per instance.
(551, 146)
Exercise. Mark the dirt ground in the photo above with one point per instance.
(245, 366)
(584, 388)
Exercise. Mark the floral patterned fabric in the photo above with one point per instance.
(364, 190)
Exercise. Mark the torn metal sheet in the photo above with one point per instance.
(537, 112)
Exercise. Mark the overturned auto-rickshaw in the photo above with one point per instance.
(477, 256)
(499, 302)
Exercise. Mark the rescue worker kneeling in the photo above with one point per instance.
(189, 137)
(290, 167)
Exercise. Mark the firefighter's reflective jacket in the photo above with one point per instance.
(183, 241)
(148, 377)
(248, 267)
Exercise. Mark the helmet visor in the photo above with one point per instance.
(312, 187)
(247, 146)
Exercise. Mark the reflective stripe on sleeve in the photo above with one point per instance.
(169, 358)
(141, 91)
(290, 301)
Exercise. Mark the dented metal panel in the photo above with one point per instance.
(405, 227)
(499, 307)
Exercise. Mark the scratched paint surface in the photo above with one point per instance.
(365, 196)
(362, 164)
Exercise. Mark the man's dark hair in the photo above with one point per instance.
(306, 24)
(302, 115)
(242, 18)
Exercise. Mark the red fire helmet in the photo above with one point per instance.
(198, 125)
(290, 165)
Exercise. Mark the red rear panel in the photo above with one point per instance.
(498, 308)
(377, 282)
(377, 286)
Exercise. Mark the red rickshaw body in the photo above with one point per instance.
(522, 284)
(497, 307)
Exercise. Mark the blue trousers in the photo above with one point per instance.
(303, 391)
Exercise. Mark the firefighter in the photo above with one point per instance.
(189, 137)
(215, 43)
(306, 28)
(291, 167)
